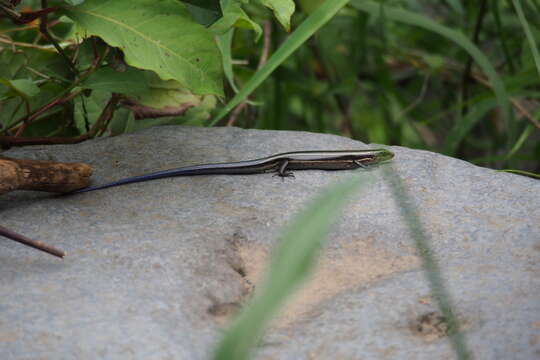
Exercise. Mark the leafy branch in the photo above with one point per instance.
(160, 62)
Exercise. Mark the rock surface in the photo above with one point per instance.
(154, 269)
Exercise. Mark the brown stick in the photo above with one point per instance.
(16, 174)
(39, 245)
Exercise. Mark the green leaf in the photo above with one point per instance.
(11, 62)
(158, 36)
(313, 23)
(203, 15)
(74, 2)
(198, 115)
(283, 10)
(163, 101)
(234, 16)
(195, 116)
(212, 5)
(130, 82)
(89, 108)
(291, 263)
(20, 87)
(162, 94)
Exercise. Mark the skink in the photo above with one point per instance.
(280, 163)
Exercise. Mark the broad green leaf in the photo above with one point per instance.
(165, 94)
(157, 98)
(131, 82)
(25, 87)
(283, 10)
(291, 263)
(198, 115)
(158, 36)
(313, 23)
(212, 5)
(20, 87)
(234, 16)
(74, 2)
(11, 62)
(195, 116)
(203, 15)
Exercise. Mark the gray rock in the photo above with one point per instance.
(154, 269)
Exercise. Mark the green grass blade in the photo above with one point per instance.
(521, 172)
(430, 265)
(290, 264)
(520, 141)
(464, 125)
(528, 34)
(408, 17)
(313, 23)
(224, 44)
(502, 37)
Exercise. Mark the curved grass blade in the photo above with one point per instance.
(528, 34)
(430, 265)
(408, 17)
(520, 141)
(224, 44)
(292, 261)
(313, 23)
(464, 125)
(521, 172)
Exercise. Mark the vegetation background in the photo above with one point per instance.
(458, 78)
(403, 78)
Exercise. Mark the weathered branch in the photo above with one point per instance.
(38, 175)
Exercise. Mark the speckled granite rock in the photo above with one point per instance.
(153, 269)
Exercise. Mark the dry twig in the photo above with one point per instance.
(39, 245)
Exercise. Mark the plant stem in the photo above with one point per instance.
(43, 28)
